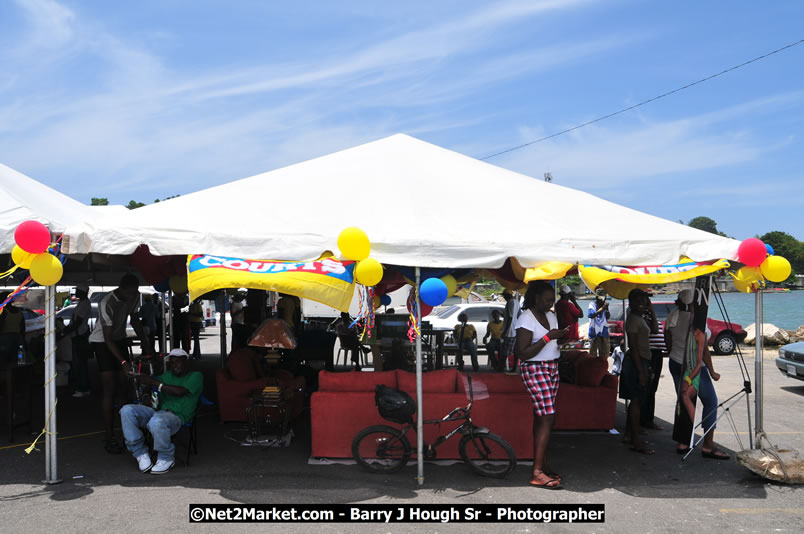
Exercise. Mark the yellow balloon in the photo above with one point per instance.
(46, 269)
(21, 258)
(354, 244)
(178, 283)
(452, 284)
(369, 272)
(775, 268)
(376, 302)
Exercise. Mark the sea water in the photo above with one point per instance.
(785, 310)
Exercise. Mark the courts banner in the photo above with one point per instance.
(595, 275)
(325, 280)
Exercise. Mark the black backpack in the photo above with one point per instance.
(394, 405)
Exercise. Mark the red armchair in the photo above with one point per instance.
(243, 375)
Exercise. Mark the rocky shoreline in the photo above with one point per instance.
(773, 335)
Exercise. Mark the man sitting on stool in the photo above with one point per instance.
(178, 391)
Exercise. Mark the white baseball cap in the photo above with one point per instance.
(565, 289)
(178, 353)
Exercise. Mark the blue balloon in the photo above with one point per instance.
(162, 286)
(769, 249)
(385, 300)
(433, 291)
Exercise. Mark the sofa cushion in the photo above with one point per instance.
(355, 381)
(242, 365)
(590, 371)
(439, 381)
(493, 382)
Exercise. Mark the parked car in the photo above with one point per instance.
(724, 338)
(478, 315)
(791, 360)
(66, 313)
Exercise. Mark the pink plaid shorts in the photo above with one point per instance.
(541, 379)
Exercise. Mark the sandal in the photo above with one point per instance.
(112, 446)
(643, 450)
(680, 450)
(715, 454)
(551, 484)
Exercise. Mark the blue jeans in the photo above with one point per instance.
(706, 392)
(162, 425)
(467, 345)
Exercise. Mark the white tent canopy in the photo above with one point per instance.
(23, 198)
(413, 200)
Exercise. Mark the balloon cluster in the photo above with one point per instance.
(434, 291)
(32, 252)
(760, 264)
(354, 245)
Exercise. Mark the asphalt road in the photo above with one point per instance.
(659, 493)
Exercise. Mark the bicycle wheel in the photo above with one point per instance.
(488, 454)
(381, 449)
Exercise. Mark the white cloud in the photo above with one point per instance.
(613, 155)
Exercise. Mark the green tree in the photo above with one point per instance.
(99, 201)
(704, 223)
(133, 204)
(787, 246)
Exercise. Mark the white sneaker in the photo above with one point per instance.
(81, 394)
(162, 467)
(145, 463)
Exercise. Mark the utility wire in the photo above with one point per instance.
(721, 73)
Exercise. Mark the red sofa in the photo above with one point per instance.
(344, 405)
(244, 375)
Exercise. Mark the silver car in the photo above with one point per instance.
(791, 360)
(477, 314)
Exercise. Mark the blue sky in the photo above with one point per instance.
(142, 100)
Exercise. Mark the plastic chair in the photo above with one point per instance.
(191, 429)
(348, 345)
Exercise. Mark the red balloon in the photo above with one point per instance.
(752, 252)
(32, 236)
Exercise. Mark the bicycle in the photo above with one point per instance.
(385, 449)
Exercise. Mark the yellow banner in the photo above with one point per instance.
(617, 280)
(326, 280)
(552, 270)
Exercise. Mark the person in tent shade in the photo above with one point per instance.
(568, 312)
(12, 331)
(537, 333)
(466, 338)
(108, 339)
(494, 331)
(636, 366)
(78, 329)
(696, 380)
(598, 313)
(176, 398)
(196, 323)
(510, 315)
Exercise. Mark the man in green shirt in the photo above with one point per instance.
(178, 391)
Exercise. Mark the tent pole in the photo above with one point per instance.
(51, 453)
(420, 413)
(172, 322)
(163, 333)
(222, 326)
(758, 378)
